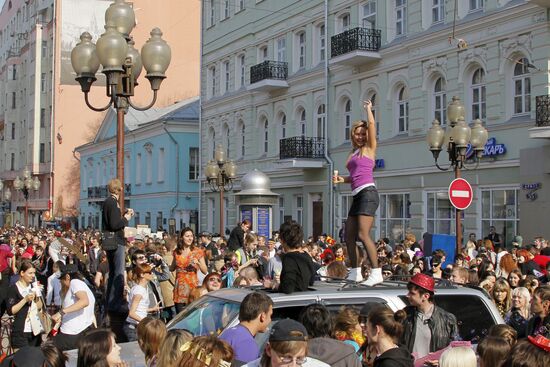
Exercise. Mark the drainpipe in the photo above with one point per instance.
(177, 170)
(327, 156)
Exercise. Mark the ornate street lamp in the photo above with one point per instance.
(457, 138)
(25, 185)
(220, 174)
(122, 65)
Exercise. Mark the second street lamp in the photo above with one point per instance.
(122, 65)
(456, 139)
(25, 185)
(220, 175)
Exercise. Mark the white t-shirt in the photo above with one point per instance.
(143, 304)
(75, 322)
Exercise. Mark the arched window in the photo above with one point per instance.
(478, 94)
(266, 135)
(283, 125)
(440, 101)
(347, 118)
(320, 118)
(226, 139)
(403, 110)
(522, 87)
(243, 138)
(302, 122)
(302, 50)
(211, 142)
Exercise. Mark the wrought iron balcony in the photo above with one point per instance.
(301, 147)
(543, 110)
(268, 75)
(355, 46)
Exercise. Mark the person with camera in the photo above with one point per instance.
(138, 299)
(160, 273)
(23, 303)
(113, 223)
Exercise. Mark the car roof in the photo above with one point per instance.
(322, 289)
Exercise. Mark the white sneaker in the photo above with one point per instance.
(375, 277)
(355, 275)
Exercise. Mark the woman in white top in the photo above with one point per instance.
(138, 300)
(77, 309)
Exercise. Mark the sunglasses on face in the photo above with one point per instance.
(215, 280)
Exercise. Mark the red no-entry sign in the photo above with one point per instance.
(460, 193)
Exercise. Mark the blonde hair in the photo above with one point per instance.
(458, 357)
(170, 352)
(355, 125)
(114, 186)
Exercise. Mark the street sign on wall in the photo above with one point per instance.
(460, 193)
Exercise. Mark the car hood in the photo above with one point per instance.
(129, 352)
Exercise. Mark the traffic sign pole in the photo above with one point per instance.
(458, 220)
(460, 196)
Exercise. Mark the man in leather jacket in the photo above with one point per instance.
(427, 328)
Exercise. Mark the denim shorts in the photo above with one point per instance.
(365, 202)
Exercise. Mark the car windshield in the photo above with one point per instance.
(206, 316)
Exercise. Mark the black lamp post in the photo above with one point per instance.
(220, 175)
(456, 139)
(25, 185)
(122, 65)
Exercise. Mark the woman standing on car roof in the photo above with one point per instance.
(360, 164)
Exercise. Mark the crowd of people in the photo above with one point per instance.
(66, 274)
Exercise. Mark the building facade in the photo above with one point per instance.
(161, 167)
(282, 81)
(43, 116)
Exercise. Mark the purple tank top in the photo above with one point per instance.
(360, 170)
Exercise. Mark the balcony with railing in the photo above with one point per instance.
(268, 75)
(355, 46)
(302, 152)
(542, 118)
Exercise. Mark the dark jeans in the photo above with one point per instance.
(115, 300)
(67, 341)
(130, 331)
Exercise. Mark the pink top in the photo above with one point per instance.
(360, 170)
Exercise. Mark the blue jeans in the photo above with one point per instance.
(115, 300)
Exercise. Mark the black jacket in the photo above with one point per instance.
(396, 357)
(112, 220)
(535, 325)
(297, 273)
(236, 239)
(442, 324)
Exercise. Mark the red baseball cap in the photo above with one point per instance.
(423, 281)
(540, 341)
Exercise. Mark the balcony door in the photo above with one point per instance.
(316, 214)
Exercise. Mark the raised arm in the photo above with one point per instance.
(371, 127)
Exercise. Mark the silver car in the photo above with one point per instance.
(216, 311)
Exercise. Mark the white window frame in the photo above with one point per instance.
(524, 81)
(242, 129)
(384, 218)
(347, 118)
(302, 129)
(212, 13)
(281, 49)
(281, 210)
(242, 66)
(212, 78)
(475, 5)
(480, 88)
(43, 82)
(194, 155)
(282, 119)
(227, 75)
(226, 138)
(494, 220)
(265, 131)
(262, 53)
(322, 42)
(320, 119)
(225, 11)
(440, 98)
(400, 17)
(239, 5)
(438, 11)
(368, 14)
(402, 110)
(345, 22)
(301, 39)
(299, 200)
(161, 165)
(149, 167)
(211, 143)
(434, 223)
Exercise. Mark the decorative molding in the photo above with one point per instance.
(477, 55)
(521, 44)
(148, 147)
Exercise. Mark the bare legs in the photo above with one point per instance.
(358, 227)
